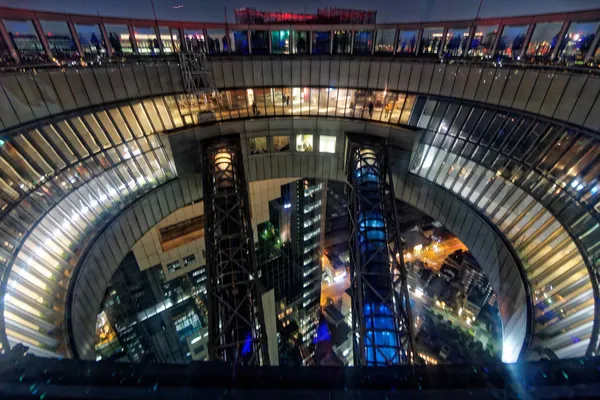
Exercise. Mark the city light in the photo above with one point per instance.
(418, 293)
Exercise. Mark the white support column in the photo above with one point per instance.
(132, 40)
(42, 37)
(444, 40)
(109, 49)
(75, 37)
(498, 35)
(418, 44)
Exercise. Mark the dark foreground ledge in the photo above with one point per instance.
(40, 378)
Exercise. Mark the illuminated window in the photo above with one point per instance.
(194, 40)
(512, 41)
(281, 143)
(304, 143)
(280, 42)
(544, 39)
(59, 40)
(384, 43)
(217, 41)
(118, 37)
(91, 39)
(431, 40)
(407, 41)
(300, 44)
(258, 145)
(321, 42)
(327, 144)
(26, 41)
(578, 40)
(189, 260)
(456, 42)
(146, 40)
(483, 41)
(174, 266)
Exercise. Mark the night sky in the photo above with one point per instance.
(388, 10)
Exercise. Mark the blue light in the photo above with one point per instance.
(247, 345)
(288, 205)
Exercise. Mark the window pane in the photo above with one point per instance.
(118, 36)
(342, 40)
(321, 42)
(176, 39)
(304, 143)
(59, 40)
(258, 145)
(146, 41)
(260, 42)
(543, 39)
(512, 41)
(384, 43)
(300, 42)
(91, 39)
(483, 41)
(217, 41)
(239, 44)
(578, 40)
(26, 41)
(327, 144)
(363, 41)
(281, 143)
(280, 42)
(165, 38)
(407, 41)
(194, 40)
(456, 42)
(431, 40)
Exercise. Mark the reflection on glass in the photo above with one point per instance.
(91, 39)
(281, 143)
(166, 40)
(260, 42)
(342, 42)
(363, 42)
(321, 42)
(59, 40)
(456, 42)
(239, 44)
(543, 39)
(176, 39)
(301, 42)
(5, 55)
(118, 37)
(483, 41)
(146, 40)
(512, 41)
(384, 43)
(280, 42)
(407, 41)
(304, 143)
(194, 40)
(431, 40)
(217, 41)
(258, 145)
(577, 41)
(26, 41)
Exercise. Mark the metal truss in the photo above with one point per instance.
(382, 319)
(236, 324)
(197, 77)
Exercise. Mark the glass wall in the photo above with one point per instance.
(146, 40)
(260, 42)
(544, 39)
(407, 41)
(384, 43)
(431, 40)
(59, 39)
(281, 143)
(342, 42)
(280, 42)
(304, 143)
(166, 40)
(321, 42)
(239, 42)
(5, 55)
(512, 41)
(217, 41)
(483, 41)
(456, 42)
(327, 144)
(194, 40)
(118, 37)
(363, 42)
(26, 41)
(301, 42)
(577, 41)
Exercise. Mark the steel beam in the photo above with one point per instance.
(236, 324)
